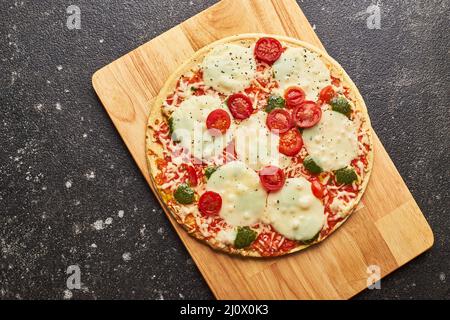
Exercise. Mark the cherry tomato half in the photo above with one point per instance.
(326, 94)
(307, 114)
(218, 121)
(294, 96)
(210, 204)
(240, 105)
(268, 50)
(291, 142)
(279, 121)
(317, 189)
(272, 178)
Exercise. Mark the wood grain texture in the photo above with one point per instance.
(387, 230)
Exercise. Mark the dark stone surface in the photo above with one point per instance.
(63, 166)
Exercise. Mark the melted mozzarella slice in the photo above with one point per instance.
(294, 211)
(333, 142)
(189, 123)
(229, 68)
(243, 198)
(304, 68)
(256, 145)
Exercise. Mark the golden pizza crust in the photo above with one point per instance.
(154, 151)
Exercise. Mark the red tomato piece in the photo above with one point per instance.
(317, 189)
(279, 121)
(191, 174)
(218, 122)
(272, 178)
(268, 50)
(307, 114)
(294, 96)
(326, 94)
(291, 142)
(240, 105)
(210, 204)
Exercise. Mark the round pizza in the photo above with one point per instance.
(259, 145)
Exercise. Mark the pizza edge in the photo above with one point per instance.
(187, 65)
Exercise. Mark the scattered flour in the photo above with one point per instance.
(142, 230)
(98, 225)
(90, 175)
(69, 184)
(126, 256)
(121, 213)
(108, 220)
(58, 106)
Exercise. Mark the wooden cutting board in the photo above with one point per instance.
(387, 230)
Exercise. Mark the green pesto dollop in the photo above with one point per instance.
(184, 194)
(341, 105)
(274, 102)
(209, 171)
(244, 237)
(311, 165)
(346, 175)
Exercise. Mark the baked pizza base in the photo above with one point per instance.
(155, 150)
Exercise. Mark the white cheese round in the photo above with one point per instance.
(256, 145)
(294, 211)
(229, 68)
(243, 197)
(304, 68)
(333, 142)
(189, 123)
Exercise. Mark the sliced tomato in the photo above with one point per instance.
(326, 94)
(272, 178)
(291, 142)
(240, 105)
(317, 189)
(218, 122)
(210, 204)
(191, 174)
(294, 96)
(279, 121)
(307, 114)
(268, 50)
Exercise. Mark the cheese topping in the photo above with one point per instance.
(189, 122)
(229, 68)
(226, 236)
(294, 211)
(333, 142)
(304, 68)
(243, 198)
(256, 145)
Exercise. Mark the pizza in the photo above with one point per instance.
(259, 145)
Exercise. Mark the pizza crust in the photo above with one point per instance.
(153, 151)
